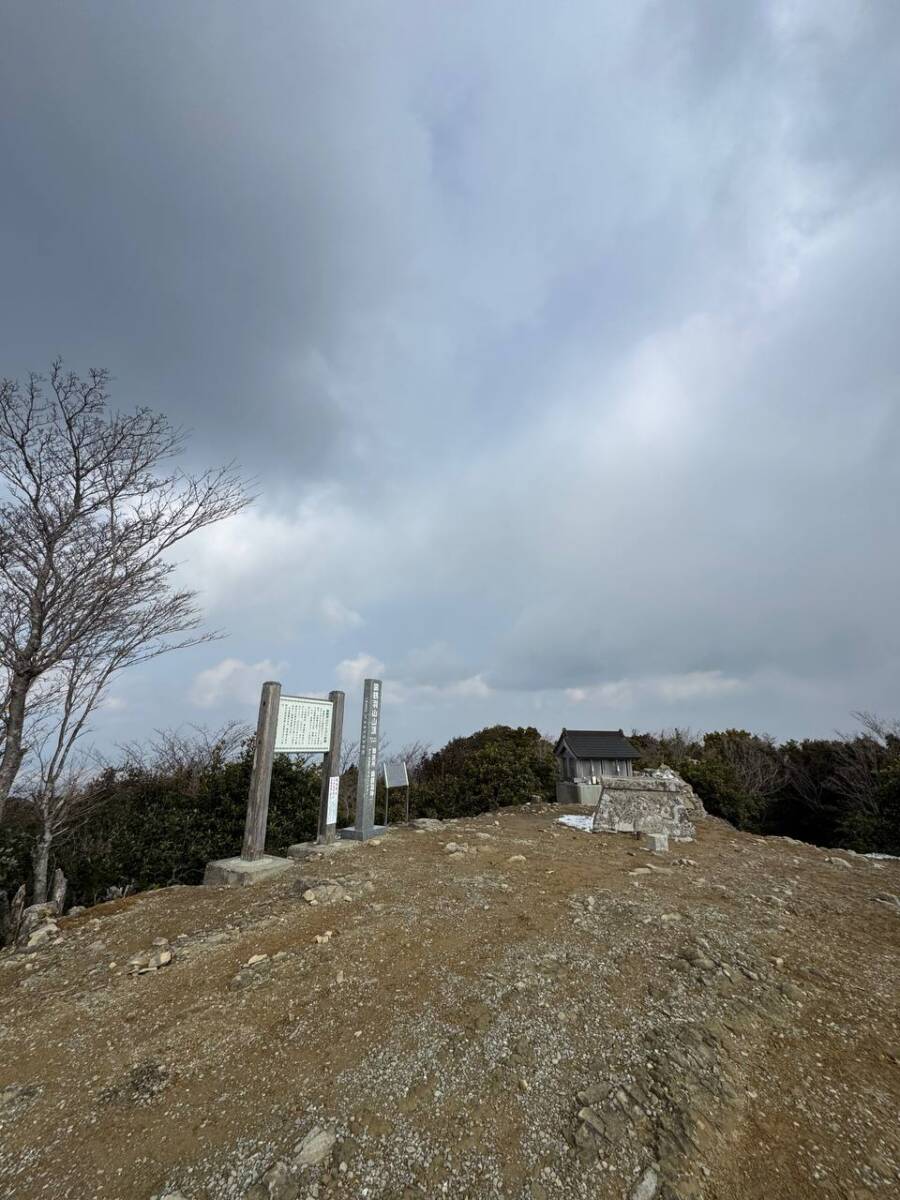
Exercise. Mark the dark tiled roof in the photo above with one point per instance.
(597, 743)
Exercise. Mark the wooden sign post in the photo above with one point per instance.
(261, 776)
(331, 772)
(286, 725)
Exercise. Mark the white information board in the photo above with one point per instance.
(304, 726)
(334, 784)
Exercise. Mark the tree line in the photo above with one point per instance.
(840, 791)
(171, 806)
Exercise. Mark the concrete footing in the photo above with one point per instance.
(351, 833)
(656, 841)
(301, 850)
(237, 872)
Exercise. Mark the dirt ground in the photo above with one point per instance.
(521, 1017)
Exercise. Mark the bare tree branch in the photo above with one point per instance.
(92, 512)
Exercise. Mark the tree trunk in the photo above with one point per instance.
(41, 861)
(13, 751)
(15, 915)
(58, 891)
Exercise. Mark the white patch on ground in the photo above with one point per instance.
(577, 821)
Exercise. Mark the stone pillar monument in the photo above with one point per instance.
(364, 825)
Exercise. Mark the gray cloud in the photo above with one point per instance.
(562, 343)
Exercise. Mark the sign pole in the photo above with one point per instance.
(331, 773)
(261, 776)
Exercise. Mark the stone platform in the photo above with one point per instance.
(659, 802)
(351, 833)
(238, 872)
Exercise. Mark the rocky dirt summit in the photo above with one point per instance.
(500, 1007)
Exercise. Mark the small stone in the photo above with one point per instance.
(76, 910)
(641, 871)
(42, 934)
(838, 862)
(162, 959)
(791, 992)
(516, 858)
(278, 1183)
(645, 1188)
(324, 893)
(315, 1148)
(160, 941)
(256, 958)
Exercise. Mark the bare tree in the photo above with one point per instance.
(67, 783)
(92, 510)
(60, 805)
(193, 752)
(861, 757)
(754, 760)
(349, 755)
(414, 755)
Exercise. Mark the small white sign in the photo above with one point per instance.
(304, 726)
(334, 784)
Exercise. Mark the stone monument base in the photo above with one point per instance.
(236, 872)
(659, 803)
(361, 835)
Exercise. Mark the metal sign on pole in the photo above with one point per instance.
(331, 772)
(364, 824)
(395, 776)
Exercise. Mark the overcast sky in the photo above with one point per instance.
(563, 341)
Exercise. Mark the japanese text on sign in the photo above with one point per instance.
(368, 750)
(334, 784)
(304, 726)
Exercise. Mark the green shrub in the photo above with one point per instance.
(494, 767)
(159, 829)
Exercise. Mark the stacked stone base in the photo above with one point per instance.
(660, 802)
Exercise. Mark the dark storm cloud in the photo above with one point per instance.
(562, 340)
